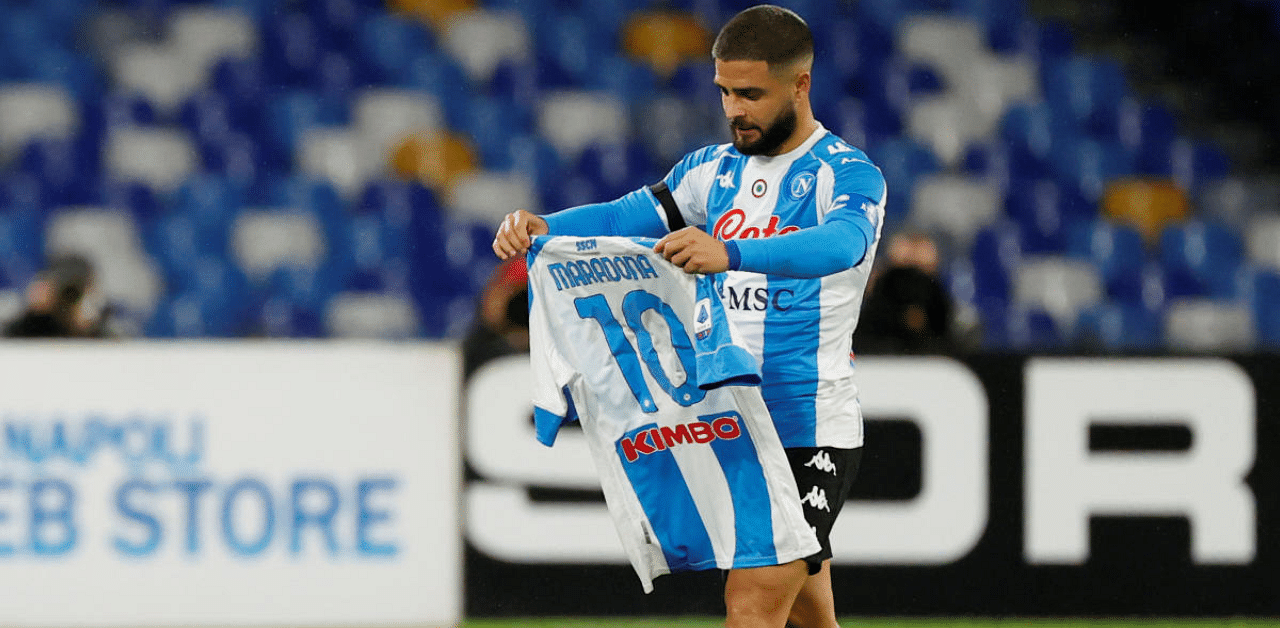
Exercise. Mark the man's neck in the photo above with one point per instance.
(803, 130)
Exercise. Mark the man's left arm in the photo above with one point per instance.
(839, 243)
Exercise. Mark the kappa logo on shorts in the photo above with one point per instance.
(822, 462)
(816, 499)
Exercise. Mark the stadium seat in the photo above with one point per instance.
(1113, 326)
(949, 42)
(1018, 328)
(1119, 253)
(67, 170)
(32, 110)
(480, 39)
(162, 157)
(1029, 130)
(1086, 90)
(158, 71)
(1200, 259)
(571, 120)
(266, 239)
(1209, 326)
(665, 39)
(995, 257)
(616, 169)
(1149, 205)
(383, 116)
(1087, 166)
(488, 196)
(434, 160)
(337, 154)
(111, 241)
(1262, 240)
(436, 13)
(953, 207)
(947, 124)
(489, 123)
(1234, 200)
(291, 48)
(204, 34)
(626, 79)
(568, 50)
(371, 315)
(1061, 286)
(388, 43)
(1263, 295)
(1045, 213)
(902, 162)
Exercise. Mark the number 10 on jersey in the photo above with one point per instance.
(634, 305)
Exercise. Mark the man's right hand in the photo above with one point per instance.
(516, 232)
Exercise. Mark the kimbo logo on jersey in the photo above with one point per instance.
(653, 439)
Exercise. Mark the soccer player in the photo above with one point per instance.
(792, 214)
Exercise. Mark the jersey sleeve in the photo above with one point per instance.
(720, 361)
(690, 183)
(635, 214)
(553, 378)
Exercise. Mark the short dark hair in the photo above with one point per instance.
(766, 33)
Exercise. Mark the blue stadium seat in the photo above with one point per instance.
(1044, 213)
(243, 83)
(288, 116)
(1087, 91)
(135, 197)
(441, 76)
(1029, 130)
(1119, 253)
(489, 122)
(21, 246)
(1085, 165)
(388, 44)
(616, 169)
(995, 255)
(902, 161)
(1116, 326)
(1263, 292)
(567, 46)
(1200, 258)
(291, 48)
(1147, 130)
(338, 21)
(634, 83)
(1016, 328)
(67, 169)
(210, 200)
(310, 194)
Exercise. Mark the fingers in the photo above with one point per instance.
(515, 233)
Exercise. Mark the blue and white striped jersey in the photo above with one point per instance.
(641, 354)
(800, 329)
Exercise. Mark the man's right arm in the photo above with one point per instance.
(635, 214)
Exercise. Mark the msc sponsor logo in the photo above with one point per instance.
(729, 226)
(655, 439)
(756, 299)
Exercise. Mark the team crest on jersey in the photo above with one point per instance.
(800, 185)
(702, 318)
(759, 188)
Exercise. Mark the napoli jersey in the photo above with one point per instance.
(800, 329)
(641, 354)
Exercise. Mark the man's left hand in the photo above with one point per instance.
(694, 251)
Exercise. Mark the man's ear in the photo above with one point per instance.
(803, 81)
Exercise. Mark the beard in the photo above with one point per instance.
(771, 137)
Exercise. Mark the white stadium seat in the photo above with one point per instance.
(31, 110)
(110, 240)
(481, 39)
(1205, 325)
(371, 315)
(488, 196)
(955, 207)
(159, 156)
(264, 240)
(572, 120)
(1061, 286)
(338, 155)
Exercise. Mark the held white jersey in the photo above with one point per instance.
(641, 354)
(800, 329)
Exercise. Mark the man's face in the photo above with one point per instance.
(760, 106)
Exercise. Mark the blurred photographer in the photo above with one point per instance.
(61, 302)
(502, 321)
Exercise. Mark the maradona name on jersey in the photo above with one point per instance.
(572, 274)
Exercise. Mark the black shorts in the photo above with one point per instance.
(824, 476)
